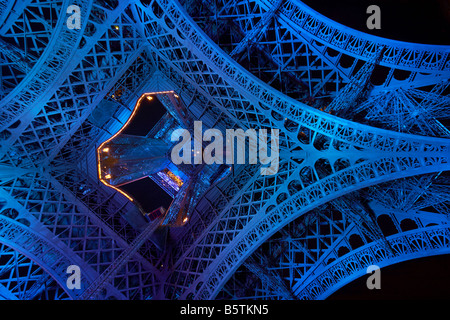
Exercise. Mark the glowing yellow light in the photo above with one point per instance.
(105, 150)
(115, 135)
(176, 96)
(116, 27)
(160, 92)
(185, 219)
(149, 98)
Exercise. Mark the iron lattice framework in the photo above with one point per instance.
(364, 149)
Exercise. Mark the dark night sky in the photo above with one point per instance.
(418, 21)
(146, 191)
(149, 195)
(145, 118)
(425, 278)
(406, 20)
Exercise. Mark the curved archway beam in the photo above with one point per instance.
(63, 92)
(392, 155)
(407, 245)
(327, 238)
(320, 35)
(256, 92)
(409, 56)
(93, 228)
(263, 225)
(50, 257)
(37, 87)
(9, 12)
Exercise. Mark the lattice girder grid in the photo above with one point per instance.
(378, 142)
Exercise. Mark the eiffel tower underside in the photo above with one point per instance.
(364, 149)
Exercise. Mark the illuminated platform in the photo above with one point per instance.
(127, 158)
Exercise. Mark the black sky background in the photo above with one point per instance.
(421, 279)
(406, 20)
(145, 191)
(416, 21)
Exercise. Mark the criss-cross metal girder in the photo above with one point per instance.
(390, 148)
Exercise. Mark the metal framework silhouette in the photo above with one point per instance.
(364, 149)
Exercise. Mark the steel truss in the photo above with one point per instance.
(235, 64)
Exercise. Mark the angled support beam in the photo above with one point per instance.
(255, 33)
(273, 280)
(357, 88)
(16, 56)
(94, 289)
